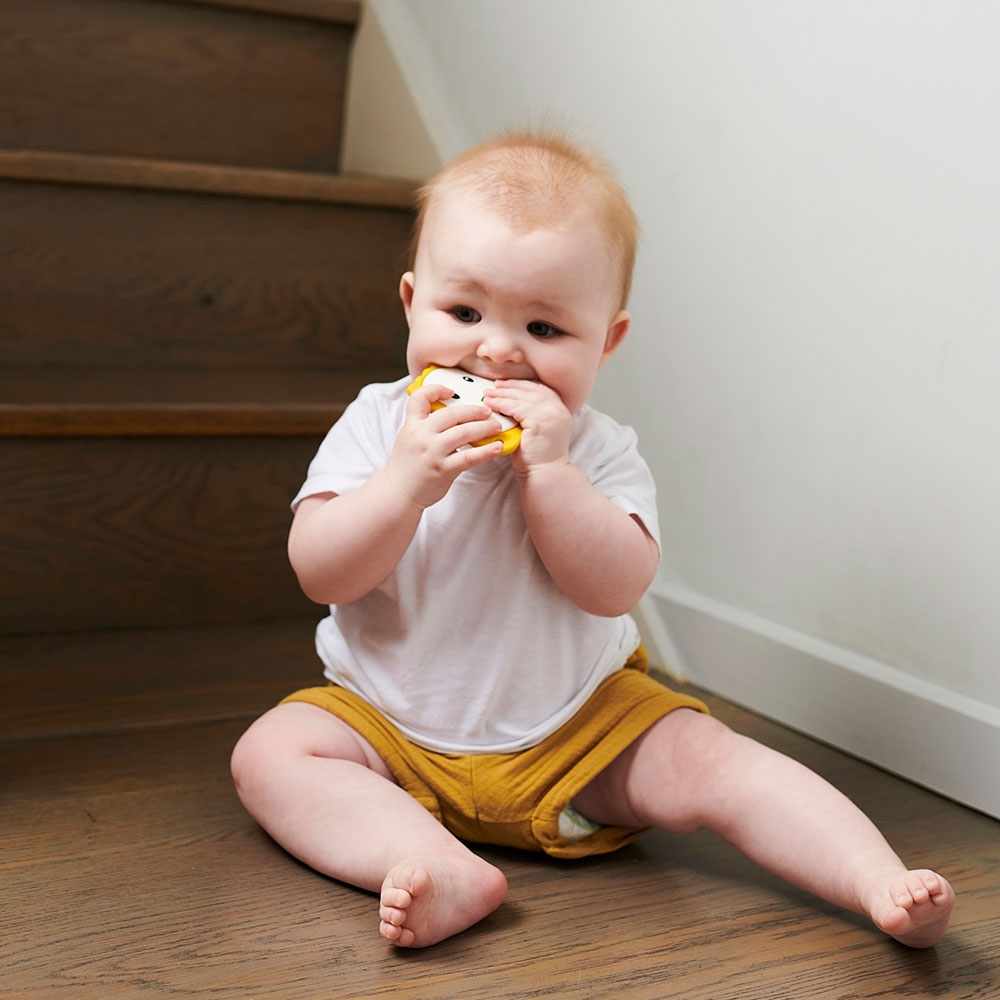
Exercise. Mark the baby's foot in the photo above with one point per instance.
(432, 895)
(913, 907)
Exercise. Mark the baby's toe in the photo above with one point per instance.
(900, 893)
(389, 931)
(391, 915)
(397, 898)
(932, 882)
(916, 887)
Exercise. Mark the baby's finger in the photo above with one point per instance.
(519, 407)
(519, 392)
(517, 383)
(469, 432)
(470, 457)
(422, 400)
(446, 417)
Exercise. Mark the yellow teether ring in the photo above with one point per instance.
(469, 389)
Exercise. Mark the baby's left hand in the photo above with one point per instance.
(546, 423)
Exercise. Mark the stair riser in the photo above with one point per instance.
(172, 81)
(137, 532)
(101, 275)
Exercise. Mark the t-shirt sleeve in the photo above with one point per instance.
(608, 455)
(358, 444)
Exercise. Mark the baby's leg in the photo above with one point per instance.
(689, 772)
(323, 793)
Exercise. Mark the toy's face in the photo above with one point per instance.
(467, 389)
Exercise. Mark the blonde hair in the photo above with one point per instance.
(539, 179)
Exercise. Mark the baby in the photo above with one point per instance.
(486, 683)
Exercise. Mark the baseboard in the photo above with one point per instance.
(436, 107)
(922, 732)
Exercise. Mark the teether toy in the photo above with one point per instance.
(469, 389)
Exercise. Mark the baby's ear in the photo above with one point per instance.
(406, 293)
(617, 330)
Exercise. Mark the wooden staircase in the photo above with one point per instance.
(189, 296)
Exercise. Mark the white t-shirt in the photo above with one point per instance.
(469, 646)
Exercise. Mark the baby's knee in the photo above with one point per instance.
(700, 747)
(696, 737)
(289, 737)
(245, 760)
(676, 768)
(260, 748)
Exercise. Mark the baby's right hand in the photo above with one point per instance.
(425, 459)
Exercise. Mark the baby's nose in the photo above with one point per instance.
(499, 345)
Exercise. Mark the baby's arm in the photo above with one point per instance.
(602, 558)
(343, 546)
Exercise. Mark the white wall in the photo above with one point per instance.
(384, 134)
(813, 368)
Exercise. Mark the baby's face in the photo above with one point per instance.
(504, 302)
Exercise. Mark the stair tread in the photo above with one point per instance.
(230, 181)
(257, 83)
(162, 530)
(78, 401)
(87, 682)
(334, 11)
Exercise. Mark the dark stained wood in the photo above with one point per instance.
(164, 175)
(335, 11)
(82, 682)
(210, 83)
(130, 532)
(143, 420)
(129, 870)
(101, 402)
(140, 278)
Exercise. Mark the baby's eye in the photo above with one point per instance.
(544, 331)
(465, 314)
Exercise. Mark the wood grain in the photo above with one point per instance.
(79, 401)
(126, 532)
(59, 684)
(103, 276)
(157, 79)
(336, 11)
(165, 175)
(130, 870)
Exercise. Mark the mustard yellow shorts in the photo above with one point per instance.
(520, 799)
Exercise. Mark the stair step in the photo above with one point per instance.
(332, 11)
(136, 499)
(141, 532)
(114, 262)
(206, 178)
(257, 83)
(85, 682)
(115, 402)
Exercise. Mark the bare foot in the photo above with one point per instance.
(432, 895)
(913, 907)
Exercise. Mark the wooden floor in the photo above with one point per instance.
(130, 870)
